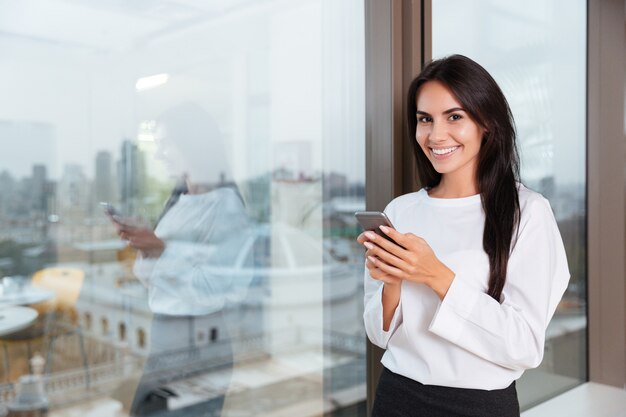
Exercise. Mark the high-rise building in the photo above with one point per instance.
(8, 191)
(131, 175)
(39, 188)
(74, 187)
(104, 183)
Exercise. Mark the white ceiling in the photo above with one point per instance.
(104, 25)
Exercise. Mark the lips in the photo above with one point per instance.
(443, 153)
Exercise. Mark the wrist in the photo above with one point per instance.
(391, 291)
(392, 286)
(155, 251)
(160, 248)
(441, 282)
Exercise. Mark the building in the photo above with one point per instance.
(104, 179)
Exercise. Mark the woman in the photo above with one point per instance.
(462, 299)
(187, 262)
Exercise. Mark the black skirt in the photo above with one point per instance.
(399, 396)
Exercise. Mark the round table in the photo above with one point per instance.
(25, 296)
(13, 319)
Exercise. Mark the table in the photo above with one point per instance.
(25, 296)
(13, 319)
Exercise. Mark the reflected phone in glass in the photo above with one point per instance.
(114, 214)
(109, 209)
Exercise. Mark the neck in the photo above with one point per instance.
(191, 187)
(197, 188)
(455, 185)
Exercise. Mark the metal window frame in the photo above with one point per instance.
(395, 41)
(606, 208)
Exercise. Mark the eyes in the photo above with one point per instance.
(421, 119)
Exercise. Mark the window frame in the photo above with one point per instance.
(397, 43)
(606, 209)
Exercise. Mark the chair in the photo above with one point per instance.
(58, 317)
(66, 284)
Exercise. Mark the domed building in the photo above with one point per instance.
(294, 309)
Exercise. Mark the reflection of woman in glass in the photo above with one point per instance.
(185, 261)
(462, 301)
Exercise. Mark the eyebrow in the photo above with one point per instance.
(452, 110)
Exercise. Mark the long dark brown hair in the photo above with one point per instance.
(497, 171)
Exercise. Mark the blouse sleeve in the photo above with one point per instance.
(373, 311)
(373, 315)
(511, 333)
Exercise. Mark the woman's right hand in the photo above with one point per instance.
(142, 239)
(375, 272)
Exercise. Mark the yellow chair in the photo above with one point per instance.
(66, 284)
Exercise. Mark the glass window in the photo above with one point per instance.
(536, 51)
(121, 332)
(177, 188)
(105, 326)
(141, 338)
(87, 321)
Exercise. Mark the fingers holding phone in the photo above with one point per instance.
(144, 240)
(120, 221)
(131, 231)
(371, 221)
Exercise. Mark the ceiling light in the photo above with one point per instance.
(146, 83)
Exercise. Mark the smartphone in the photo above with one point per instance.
(109, 209)
(114, 214)
(372, 220)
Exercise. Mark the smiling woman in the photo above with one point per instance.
(456, 303)
(488, 163)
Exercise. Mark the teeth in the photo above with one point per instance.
(444, 151)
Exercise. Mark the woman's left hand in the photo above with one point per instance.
(410, 258)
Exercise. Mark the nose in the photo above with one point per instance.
(438, 132)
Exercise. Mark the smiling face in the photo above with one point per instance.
(448, 136)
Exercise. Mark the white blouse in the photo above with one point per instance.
(196, 274)
(469, 340)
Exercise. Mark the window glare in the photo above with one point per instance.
(176, 200)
